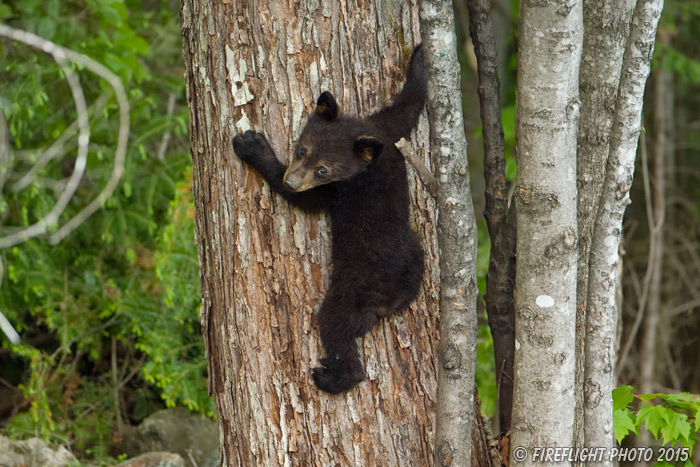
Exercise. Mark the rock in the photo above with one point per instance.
(33, 453)
(176, 430)
(155, 459)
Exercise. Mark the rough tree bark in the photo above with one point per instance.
(545, 196)
(264, 265)
(607, 232)
(606, 26)
(457, 236)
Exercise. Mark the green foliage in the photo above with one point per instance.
(114, 308)
(508, 121)
(671, 418)
(680, 65)
(485, 364)
(676, 49)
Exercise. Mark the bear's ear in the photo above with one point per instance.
(327, 107)
(368, 148)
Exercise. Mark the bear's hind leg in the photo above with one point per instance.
(339, 326)
(411, 278)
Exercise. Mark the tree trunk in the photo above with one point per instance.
(606, 26)
(607, 232)
(264, 266)
(548, 112)
(457, 237)
(500, 280)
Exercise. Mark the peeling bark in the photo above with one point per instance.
(456, 238)
(607, 233)
(264, 266)
(548, 112)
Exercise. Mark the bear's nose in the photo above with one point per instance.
(292, 183)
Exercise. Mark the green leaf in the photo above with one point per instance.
(5, 11)
(622, 397)
(46, 28)
(623, 423)
(129, 40)
(130, 255)
(653, 418)
(676, 428)
(111, 16)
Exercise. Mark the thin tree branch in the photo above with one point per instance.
(687, 306)
(57, 148)
(166, 137)
(119, 154)
(427, 178)
(5, 156)
(641, 307)
(59, 54)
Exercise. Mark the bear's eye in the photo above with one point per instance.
(321, 171)
(301, 153)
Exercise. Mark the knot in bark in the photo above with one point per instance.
(450, 357)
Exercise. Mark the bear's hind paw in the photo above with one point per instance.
(333, 380)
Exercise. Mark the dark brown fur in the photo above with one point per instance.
(350, 166)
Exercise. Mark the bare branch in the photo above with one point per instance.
(59, 54)
(166, 137)
(120, 152)
(687, 306)
(8, 329)
(57, 148)
(5, 157)
(651, 264)
(427, 178)
(5, 324)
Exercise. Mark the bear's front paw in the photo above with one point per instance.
(251, 146)
(336, 379)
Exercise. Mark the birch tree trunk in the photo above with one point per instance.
(606, 26)
(607, 233)
(457, 237)
(264, 266)
(548, 113)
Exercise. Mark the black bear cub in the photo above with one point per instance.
(350, 167)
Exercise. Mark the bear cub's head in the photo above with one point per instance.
(331, 148)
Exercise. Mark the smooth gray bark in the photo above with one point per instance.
(607, 233)
(456, 238)
(606, 26)
(547, 122)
